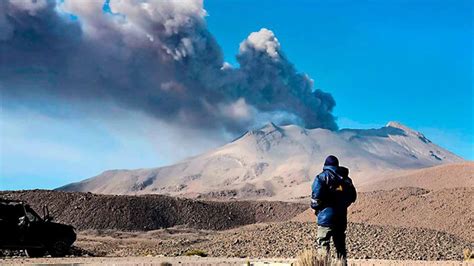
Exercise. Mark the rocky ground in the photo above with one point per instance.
(448, 210)
(151, 212)
(205, 261)
(155, 225)
(272, 240)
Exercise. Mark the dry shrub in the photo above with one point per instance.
(196, 252)
(166, 264)
(468, 254)
(311, 257)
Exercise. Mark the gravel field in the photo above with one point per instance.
(150, 212)
(272, 240)
(131, 226)
(208, 261)
(446, 210)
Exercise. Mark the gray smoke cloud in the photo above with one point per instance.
(154, 56)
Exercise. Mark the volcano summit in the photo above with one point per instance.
(277, 163)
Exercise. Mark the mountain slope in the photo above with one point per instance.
(457, 175)
(278, 163)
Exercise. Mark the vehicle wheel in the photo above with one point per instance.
(35, 252)
(58, 249)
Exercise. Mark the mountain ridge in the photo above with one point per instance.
(276, 162)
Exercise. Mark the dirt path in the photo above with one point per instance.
(209, 261)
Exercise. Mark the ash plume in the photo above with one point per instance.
(152, 56)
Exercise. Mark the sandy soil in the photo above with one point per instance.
(200, 261)
(433, 178)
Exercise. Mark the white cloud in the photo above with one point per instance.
(263, 40)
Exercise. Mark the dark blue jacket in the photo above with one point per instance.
(331, 196)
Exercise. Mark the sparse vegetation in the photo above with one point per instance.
(166, 264)
(196, 252)
(468, 254)
(307, 258)
(311, 257)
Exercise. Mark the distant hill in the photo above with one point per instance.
(277, 163)
(432, 178)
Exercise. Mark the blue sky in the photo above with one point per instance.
(409, 61)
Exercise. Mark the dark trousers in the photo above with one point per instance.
(338, 236)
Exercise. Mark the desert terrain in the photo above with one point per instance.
(402, 220)
(416, 217)
(455, 175)
(205, 261)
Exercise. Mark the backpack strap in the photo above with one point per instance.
(325, 177)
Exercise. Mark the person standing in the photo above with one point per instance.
(332, 193)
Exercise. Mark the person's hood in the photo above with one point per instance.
(330, 168)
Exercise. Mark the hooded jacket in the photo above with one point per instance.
(331, 196)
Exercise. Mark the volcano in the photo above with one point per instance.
(277, 163)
